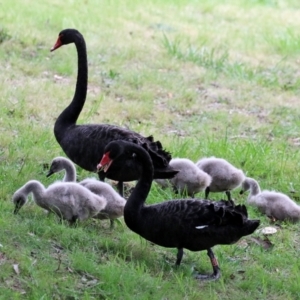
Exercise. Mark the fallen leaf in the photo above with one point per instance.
(92, 282)
(240, 272)
(267, 230)
(3, 258)
(242, 244)
(57, 77)
(70, 270)
(16, 269)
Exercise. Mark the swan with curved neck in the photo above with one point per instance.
(193, 224)
(84, 144)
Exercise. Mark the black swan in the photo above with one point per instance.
(193, 224)
(84, 144)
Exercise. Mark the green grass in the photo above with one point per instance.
(204, 77)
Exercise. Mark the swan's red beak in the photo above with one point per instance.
(105, 162)
(57, 44)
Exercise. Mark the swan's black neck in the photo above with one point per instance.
(71, 113)
(139, 195)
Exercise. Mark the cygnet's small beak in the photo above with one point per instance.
(49, 173)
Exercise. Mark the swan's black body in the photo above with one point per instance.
(192, 224)
(84, 144)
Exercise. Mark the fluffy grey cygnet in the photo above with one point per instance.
(275, 205)
(190, 179)
(225, 177)
(115, 203)
(69, 200)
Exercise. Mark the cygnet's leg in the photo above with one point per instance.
(72, 222)
(272, 219)
(179, 256)
(112, 223)
(228, 194)
(175, 190)
(207, 190)
(17, 208)
(216, 269)
(120, 188)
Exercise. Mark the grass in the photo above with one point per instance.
(206, 78)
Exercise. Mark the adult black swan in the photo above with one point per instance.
(84, 144)
(193, 224)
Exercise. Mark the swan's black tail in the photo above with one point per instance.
(160, 159)
(237, 215)
(250, 226)
(165, 173)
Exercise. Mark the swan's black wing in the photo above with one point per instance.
(196, 212)
(192, 224)
(84, 144)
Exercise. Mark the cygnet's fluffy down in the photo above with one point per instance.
(225, 177)
(189, 179)
(275, 205)
(70, 201)
(115, 203)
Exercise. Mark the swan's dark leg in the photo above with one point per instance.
(207, 192)
(216, 269)
(120, 187)
(228, 195)
(101, 177)
(179, 256)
